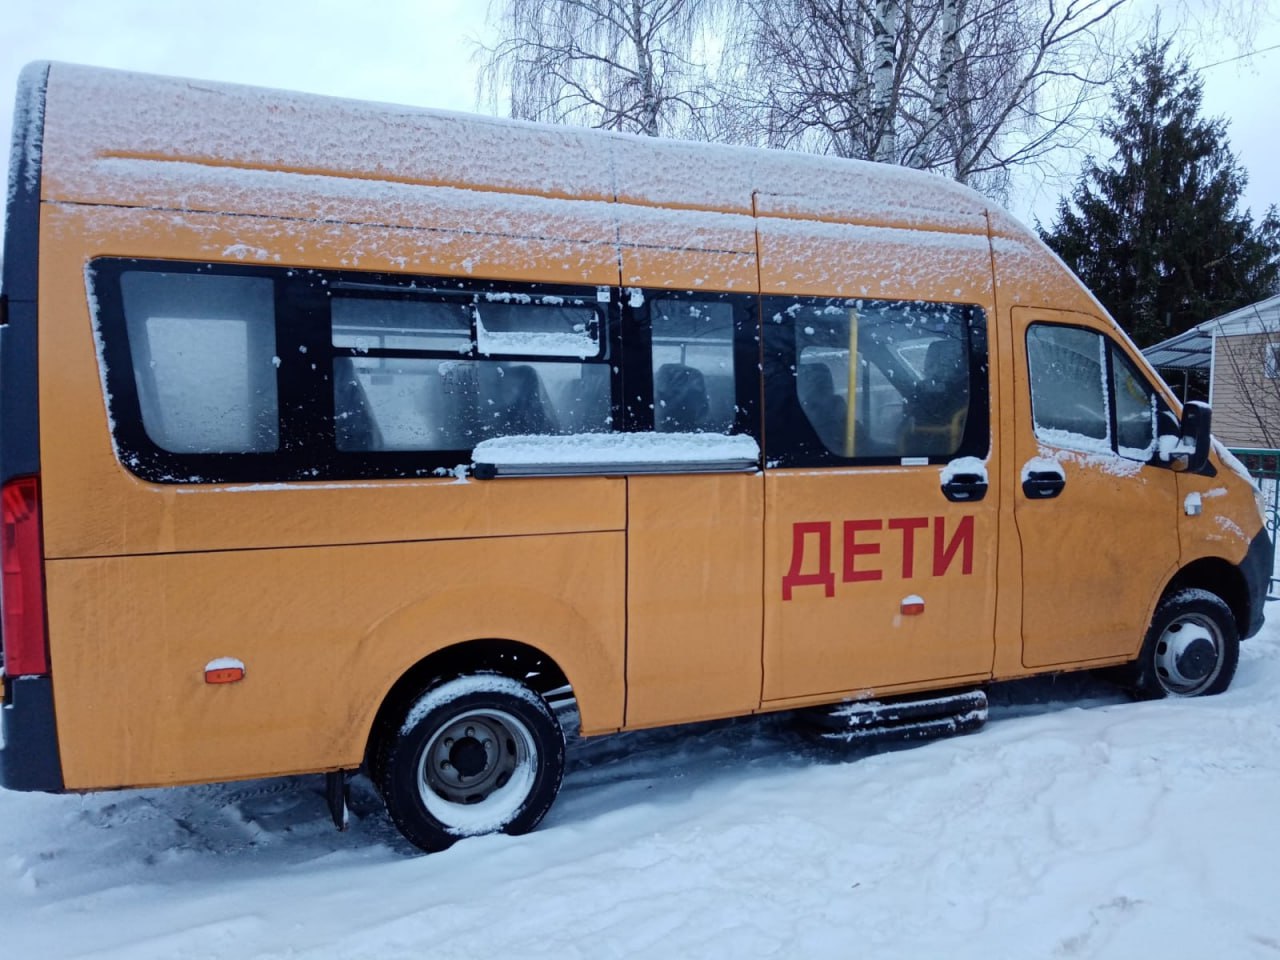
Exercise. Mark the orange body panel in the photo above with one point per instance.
(1228, 519)
(323, 633)
(849, 636)
(693, 596)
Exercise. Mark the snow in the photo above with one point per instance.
(28, 133)
(534, 343)
(970, 465)
(616, 448)
(1168, 444)
(1230, 526)
(224, 663)
(1232, 463)
(214, 124)
(1070, 438)
(197, 146)
(1075, 824)
(1192, 504)
(1042, 465)
(1100, 459)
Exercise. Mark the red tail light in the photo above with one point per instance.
(22, 586)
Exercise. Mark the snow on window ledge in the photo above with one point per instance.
(613, 453)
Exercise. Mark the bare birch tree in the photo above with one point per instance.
(969, 88)
(966, 87)
(618, 64)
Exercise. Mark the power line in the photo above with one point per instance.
(1243, 56)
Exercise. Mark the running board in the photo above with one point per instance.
(905, 718)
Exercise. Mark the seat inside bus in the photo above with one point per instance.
(680, 403)
(940, 401)
(825, 409)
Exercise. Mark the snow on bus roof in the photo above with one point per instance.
(96, 115)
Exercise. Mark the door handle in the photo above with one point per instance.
(1043, 484)
(965, 488)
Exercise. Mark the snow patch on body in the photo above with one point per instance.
(1042, 464)
(1227, 525)
(962, 465)
(95, 323)
(224, 663)
(244, 251)
(1104, 460)
(1232, 463)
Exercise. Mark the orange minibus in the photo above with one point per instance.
(343, 437)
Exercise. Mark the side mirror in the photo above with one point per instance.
(1194, 440)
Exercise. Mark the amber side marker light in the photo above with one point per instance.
(224, 670)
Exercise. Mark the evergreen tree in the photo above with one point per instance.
(1156, 233)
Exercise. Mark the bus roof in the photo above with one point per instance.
(135, 139)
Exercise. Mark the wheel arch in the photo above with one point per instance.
(509, 658)
(1220, 577)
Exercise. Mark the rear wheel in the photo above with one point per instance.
(477, 754)
(1191, 649)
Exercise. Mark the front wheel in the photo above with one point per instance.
(1191, 649)
(481, 753)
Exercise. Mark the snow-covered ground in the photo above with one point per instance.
(1076, 824)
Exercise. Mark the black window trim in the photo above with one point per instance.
(307, 448)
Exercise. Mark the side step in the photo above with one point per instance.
(902, 718)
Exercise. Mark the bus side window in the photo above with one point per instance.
(1081, 385)
(204, 356)
(693, 385)
(1135, 409)
(872, 380)
(443, 369)
(1067, 366)
(226, 372)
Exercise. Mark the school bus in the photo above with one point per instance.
(338, 436)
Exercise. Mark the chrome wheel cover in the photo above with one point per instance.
(480, 760)
(1189, 654)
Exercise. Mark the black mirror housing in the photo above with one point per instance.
(1195, 435)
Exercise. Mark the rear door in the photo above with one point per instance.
(880, 509)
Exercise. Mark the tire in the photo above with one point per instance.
(1191, 648)
(478, 754)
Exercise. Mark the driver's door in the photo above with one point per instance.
(1096, 510)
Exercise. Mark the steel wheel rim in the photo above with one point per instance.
(476, 760)
(1188, 655)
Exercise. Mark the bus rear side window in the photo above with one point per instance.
(404, 403)
(204, 360)
(388, 324)
(693, 386)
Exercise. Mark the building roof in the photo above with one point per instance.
(1192, 349)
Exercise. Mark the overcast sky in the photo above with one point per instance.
(421, 52)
